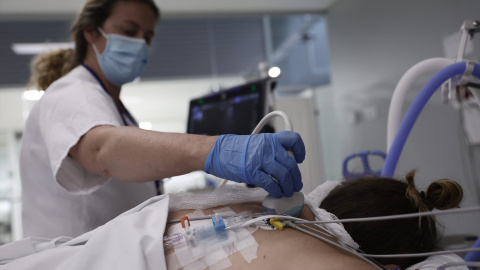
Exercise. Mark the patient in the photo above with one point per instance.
(365, 197)
(134, 240)
(383, 196)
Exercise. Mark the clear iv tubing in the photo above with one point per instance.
(291, 225)
(405, 83)
(413, 112)
(401, 216)
(263, 122)
(392, 217)
(474, 249)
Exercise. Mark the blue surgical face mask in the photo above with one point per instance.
(123, 59)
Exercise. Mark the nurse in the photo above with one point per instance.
(83, 158)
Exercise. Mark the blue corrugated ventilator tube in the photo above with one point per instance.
(412, 114)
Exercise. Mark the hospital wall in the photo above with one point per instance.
(372, 44)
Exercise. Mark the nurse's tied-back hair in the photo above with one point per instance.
(52, 65)
(377, 196)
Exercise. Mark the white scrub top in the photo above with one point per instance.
(60, 197)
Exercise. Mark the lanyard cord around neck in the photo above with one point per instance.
(121, 110)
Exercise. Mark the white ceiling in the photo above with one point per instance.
(174, 7)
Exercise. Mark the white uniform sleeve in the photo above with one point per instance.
(70, 108)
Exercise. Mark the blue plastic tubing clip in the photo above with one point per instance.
(367, 170)
(412, 114)
(218, 223)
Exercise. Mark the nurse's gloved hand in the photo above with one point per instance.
(255, 159)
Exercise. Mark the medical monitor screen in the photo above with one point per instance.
(233, 111)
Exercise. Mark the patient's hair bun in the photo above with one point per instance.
(444, 194)
(441, 194)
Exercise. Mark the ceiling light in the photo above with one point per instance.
(274, 72)
(37, 48)
(33, 95)
(145, 125)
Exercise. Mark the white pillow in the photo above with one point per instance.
(432, 262)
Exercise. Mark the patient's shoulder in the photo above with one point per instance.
(292, 249)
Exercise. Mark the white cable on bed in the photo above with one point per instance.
(424, 254)
(402, 216)
(301, 221)
(253, 221)
(293, 226)
(352, 251)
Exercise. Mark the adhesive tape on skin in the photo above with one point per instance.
(292, 206)
(211, 254)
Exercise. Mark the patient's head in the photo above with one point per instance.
(376, 196)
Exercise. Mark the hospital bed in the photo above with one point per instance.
(135, 239)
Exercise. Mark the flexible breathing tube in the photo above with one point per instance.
(401, 90)
(413, 112)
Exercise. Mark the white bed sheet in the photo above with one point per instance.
(433, 262)
(133, 240)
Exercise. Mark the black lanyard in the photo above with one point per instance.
(121, 110)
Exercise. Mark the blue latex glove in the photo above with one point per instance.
(255, 159)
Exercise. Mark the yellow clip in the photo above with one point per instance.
(275, 222)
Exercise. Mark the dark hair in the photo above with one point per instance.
(93, 14)
(377, 196)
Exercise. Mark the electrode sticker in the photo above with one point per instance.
(204, 246)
